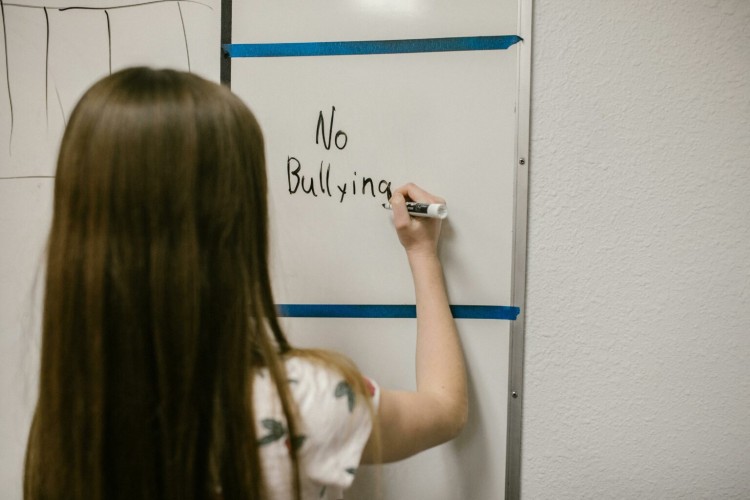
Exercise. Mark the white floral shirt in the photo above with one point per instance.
(335, 426)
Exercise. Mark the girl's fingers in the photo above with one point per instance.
(398, 206)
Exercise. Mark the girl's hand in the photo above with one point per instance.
(418, 235)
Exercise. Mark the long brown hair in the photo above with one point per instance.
(158, 300)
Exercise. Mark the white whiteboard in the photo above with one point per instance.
(448, 121)
(383, 104)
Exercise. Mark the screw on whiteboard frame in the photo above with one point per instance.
(514, 394)
(522, 161)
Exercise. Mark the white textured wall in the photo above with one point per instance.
(637, 377)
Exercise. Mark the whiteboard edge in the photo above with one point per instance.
(518, 285)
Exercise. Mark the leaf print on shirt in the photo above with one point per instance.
(295, 443)
(276, 431)
(344, 389)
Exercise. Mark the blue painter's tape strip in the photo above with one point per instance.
(485, 312)
(390, 311)
(466, 43)
(346, 311)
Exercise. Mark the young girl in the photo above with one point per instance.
(164, 371)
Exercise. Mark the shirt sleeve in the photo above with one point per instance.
(336, 423)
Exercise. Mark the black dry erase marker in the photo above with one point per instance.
(433, 210)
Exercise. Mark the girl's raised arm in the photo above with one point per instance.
(436, 412)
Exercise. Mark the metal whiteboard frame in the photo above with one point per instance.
(518, 285)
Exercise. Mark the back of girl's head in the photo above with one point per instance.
(157, 297)
(165, 163)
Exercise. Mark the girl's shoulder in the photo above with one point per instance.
(334, 424)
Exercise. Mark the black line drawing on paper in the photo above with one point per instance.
(109, 40)
(184, 34)
(46, 66)
(7, 73)
(114, 32)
